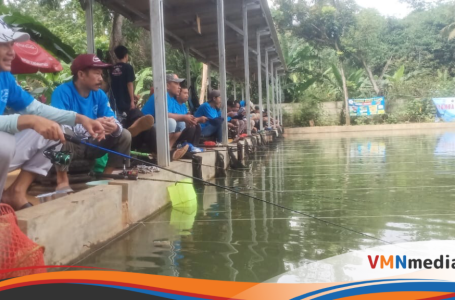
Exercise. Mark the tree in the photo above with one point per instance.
(322, 24)
(366, 44)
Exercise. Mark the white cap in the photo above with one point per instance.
(9, 35)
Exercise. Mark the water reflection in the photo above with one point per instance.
(393, 188)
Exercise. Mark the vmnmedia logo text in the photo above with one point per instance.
(402, 262)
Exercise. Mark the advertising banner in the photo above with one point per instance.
(445, 109)
(367, 107)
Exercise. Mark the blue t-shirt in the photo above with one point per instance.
(173, 106)
(205, 110)
(95, 106)
(12, 95)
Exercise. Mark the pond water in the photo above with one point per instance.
(371, 190)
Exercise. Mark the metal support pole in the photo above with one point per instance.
(273, 93)
(89, 24)
(246, 52)
(222, 68)
(235, 90)
(280, 105)
(259, 59)
(280, 101)
(188, 68)
(159, 81)
(267, 86)
(275, 111)
(243, 92)
(209, 79)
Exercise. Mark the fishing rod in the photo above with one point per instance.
(77, 141)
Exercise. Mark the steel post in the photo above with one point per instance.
(222, 68)
(259, 59)
(159, 81)
(246, 53)
(89, 24)
(188, 68)
(272, 81)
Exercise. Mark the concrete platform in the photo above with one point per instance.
(364, 128)
(75, 225)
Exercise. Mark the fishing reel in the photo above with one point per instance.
(59, 158)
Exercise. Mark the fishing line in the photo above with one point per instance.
(189, 162)
(250, 188)
(77, 141)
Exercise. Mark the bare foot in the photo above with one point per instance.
(62, 186)
(15, 200)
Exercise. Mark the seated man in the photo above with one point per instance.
(211, 110)
(191, 134)
(235, 121)
(182, 126)
(83, 95)
(24, 137)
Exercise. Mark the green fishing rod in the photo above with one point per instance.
(77, 141)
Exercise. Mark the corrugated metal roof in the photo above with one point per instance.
(180, 28)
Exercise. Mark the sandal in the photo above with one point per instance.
(140, 125)
(179, 153)
(26, 205)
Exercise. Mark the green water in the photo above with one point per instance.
(396, 189)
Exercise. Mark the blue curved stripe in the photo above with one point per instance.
(149, 292)
(443, 287)
(352, 284)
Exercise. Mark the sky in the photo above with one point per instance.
(392, 8)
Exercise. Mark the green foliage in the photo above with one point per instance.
(40, 84)
(142, 85)
(39, 33)
(65, 19)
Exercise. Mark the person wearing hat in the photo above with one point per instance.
(35, 128)
(211, 110)
(180, 123)
(83, 95)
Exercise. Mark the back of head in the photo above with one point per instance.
(231, 103)
(214, 94)
(121, 52)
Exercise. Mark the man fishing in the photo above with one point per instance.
(28, 133)
(84, 96)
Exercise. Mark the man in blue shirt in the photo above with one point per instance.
(211, 110)
(182, 126)
(83, 95)
(26, 135)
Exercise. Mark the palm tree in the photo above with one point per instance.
(449, 31)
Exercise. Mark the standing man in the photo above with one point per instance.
(122, 83)
(26, 135)
(84, 96)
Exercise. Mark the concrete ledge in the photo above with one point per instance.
(75, 225)
(364, 128)
(70, 226)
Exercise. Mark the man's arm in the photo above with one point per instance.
(130, 86)
(131, 77)
(8, 124)
(177, 117)
(14, 123)
(60, 116)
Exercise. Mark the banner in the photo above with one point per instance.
(366, 107)
(405, 271)
(445, 109)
